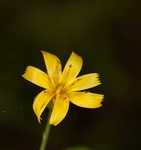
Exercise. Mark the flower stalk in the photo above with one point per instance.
(46, 133)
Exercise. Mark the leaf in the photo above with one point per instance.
(78, 148)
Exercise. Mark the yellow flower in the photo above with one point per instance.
(62, 87)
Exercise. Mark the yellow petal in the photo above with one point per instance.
(60, 109)
(53, 65)
(72, 68)
(85, 82)
(37, 77)
(40, 103)
(86, 99)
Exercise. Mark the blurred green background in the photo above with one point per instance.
(107, 34)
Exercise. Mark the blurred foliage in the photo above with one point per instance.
(79, 148)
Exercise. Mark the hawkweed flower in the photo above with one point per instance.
(62, 87)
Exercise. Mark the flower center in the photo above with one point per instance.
(59, 89)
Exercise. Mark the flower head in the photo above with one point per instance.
(62, 87)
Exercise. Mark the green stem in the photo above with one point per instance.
(46, 133)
